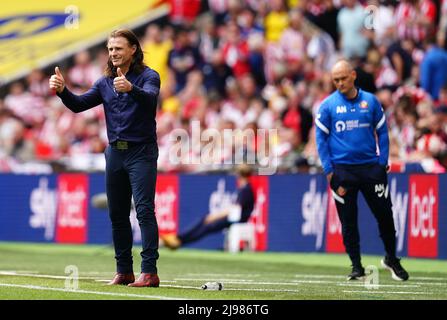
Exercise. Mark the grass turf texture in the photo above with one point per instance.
(37, 271)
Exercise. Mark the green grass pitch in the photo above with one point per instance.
(38, 271)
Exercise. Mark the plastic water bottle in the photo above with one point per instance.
(212, 286)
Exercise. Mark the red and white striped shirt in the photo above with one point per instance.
(408, 18)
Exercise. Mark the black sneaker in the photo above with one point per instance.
(358, 273)
(397, 271)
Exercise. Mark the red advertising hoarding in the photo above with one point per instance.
(166, 203)
(71, 217)
(423, 216)
(259, 217)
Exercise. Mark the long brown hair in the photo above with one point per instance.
(137, 65)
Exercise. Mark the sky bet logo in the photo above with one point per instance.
(22, 26)
(423, 216)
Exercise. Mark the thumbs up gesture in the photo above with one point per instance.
(120, 83)
(57, 81)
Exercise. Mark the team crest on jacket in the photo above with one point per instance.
(363, 104)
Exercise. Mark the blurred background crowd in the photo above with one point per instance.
(251, 64)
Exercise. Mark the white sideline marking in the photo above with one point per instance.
(254, 282)
(323, 282)
(161, 281)
(89, 292)
(338, 277)
(236, 281)
(387, 292)
(319, 276)
(314, 281)
(104, 273)
(431, 283)
(263, 290)
(224, 274)
(428, 278)
(181, 287)
(297, 282)
(227, 289)
(20, 271)
(233, 289)
(379, 285)
(34, 274)
(17, 274)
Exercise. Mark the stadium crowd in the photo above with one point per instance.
(252, 64)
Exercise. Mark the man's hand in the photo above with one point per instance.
(57, 81)
(120, 83)
(340, 191)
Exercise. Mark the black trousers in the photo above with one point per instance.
(133, 172)
(372, 181)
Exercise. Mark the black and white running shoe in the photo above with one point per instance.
(397, 271)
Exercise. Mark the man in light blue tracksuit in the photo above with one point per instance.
(353, 145)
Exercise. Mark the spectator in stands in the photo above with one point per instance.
(399, 53)
(396, 67)
(184, 12)
(183, 58)
(293, 45)
(433, 72)
(432, 142)
(235, 51)
(53, 140)
(365, 75)
(36, 83)
(253, 33)
(320, 49)
(84, 73)
(442, 99)
(351, 23)
(442, 30)
(24, 105)
(214, 68)
(415, 19)
(276, 21)
(430, 148)
(219, 9)
(382, 23)
(323, 14)
(192, 97)
(156, 51)
(385, 77)
(13, 141)
(208, 38)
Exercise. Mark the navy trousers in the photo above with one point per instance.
(200, 229)
(372, 181)
(133, 172)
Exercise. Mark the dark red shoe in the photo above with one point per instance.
(122, 278)
(146, 280)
